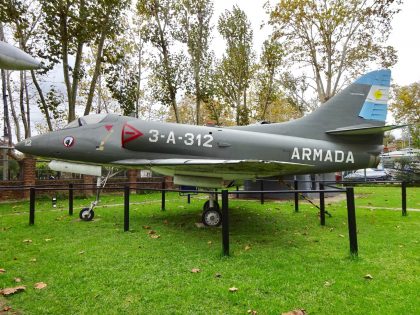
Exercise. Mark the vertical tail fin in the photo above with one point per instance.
(361, 105)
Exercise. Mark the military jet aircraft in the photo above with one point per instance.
(345, 133)
(12, 58)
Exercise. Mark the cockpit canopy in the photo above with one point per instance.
(86, 120)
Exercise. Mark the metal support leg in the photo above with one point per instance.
(126, 208)
(163, 196)
(322, 204)
(404, 198)
(70, 199)
(351, 214)
(296, 186)
(225, 222)
(31, 206)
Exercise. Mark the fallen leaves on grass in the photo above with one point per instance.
(233, 289)
(165, 222)
(81, 252)
(341, 235)
(48, 239)
(368, 276)
(252, 312)
(327, 284)
(10, 291)
(218, 275)
(154, 236)
(32, 260)
(295, 312)
(40, 285)
(2, 270)
(195, 270)
(151, 232)
(209, 242)
(27, 241)
(146, 227)
(18, 280)
(247, 247)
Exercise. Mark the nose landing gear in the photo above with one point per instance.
(86, 214)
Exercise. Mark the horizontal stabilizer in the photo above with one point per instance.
(362, 130)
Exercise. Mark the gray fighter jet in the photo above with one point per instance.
(345, 133)
(12, 58)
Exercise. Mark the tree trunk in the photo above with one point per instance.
(42, 99)
(98, 63)
(22, 106)
(12, 109)
(7, 128)
(28, 113)
(66, 72)
(76, 79)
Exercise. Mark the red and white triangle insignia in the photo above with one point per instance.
(129, 133)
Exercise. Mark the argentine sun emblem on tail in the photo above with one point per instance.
(375, 106)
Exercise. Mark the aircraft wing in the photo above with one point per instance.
(251, 168)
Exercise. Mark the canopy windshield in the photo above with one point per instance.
(86, 120)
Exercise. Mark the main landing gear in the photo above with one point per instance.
(211, 212)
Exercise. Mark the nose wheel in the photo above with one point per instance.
(86, 214)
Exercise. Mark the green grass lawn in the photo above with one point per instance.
(280, 260)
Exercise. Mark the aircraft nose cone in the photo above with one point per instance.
(20, 146)
(37, 145)
(13, 58)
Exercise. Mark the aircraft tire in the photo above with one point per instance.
(85, 215)
(212, 217)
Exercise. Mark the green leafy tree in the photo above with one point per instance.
(109, 16)
(195, 32)
(159, 30)
(71, 26)
(337, 40)
(268, 89)
(405, 107)
(235, 69)
(23, 18)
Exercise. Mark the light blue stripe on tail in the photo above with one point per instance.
(375, 106)
(378, 77)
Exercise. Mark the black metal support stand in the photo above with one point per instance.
(126, 208)
(322, 204)
(262, 189)
(296, 186)
(70, 199)
(351, 214)
(404, 198)
(31, 206)
(163, 196)
(225, 222)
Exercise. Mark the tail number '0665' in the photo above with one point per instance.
(188, 139)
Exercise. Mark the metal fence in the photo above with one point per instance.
(126, 187)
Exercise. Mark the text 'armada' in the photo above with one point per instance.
(307, 154)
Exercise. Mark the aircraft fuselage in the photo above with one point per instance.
(124, 138)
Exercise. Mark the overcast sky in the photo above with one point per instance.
(404, 36)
